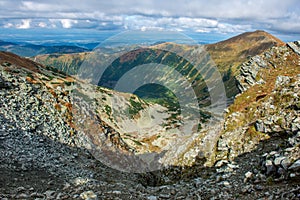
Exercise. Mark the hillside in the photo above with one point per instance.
(93, 117)
(228, 55)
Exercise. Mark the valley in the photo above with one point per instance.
(221, 124)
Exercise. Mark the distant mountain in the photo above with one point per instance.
(228, 55)
(29, 50)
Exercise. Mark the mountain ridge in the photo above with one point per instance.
(228, 55)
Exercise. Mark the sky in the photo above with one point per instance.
(279, 17)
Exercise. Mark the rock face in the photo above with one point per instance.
(250, 71)
(281, 110)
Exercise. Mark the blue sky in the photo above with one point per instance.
(226, 17)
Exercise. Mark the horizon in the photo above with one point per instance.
(79, 37)
(67, 21)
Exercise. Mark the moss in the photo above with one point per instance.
(135, 106)
(280, 121)
(253, 133)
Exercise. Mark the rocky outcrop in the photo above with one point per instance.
(295, 46)
(2, 83)
(250, 71)
(281, 111)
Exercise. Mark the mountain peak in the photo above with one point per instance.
(230, 53)
(249, 39)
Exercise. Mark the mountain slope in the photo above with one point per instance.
(228, 55)
(89, 116)
(267, 107)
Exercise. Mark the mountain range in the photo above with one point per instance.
(29, 50)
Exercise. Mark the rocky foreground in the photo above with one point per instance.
(36, 167)
(257, 155)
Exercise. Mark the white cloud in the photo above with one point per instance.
(68, 23)
(8, 25)
(195, 15)
(25, 24)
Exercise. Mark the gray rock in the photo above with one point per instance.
(221, 163)
(226, 183)
(22, 196)
(259, 187)
(50, 194)
(270, 167)
(278, 160)
(282, 80)
(249, 175)
(88, 195)
(295, 166)
(152, 197)
(259, 126)
(295, 46)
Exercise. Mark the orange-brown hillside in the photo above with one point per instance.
(228, 55)
(18, 61)
(236, 49)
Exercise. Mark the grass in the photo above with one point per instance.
(135, 106)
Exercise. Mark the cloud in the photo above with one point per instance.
(24, 25)
(192, 15)
(42, 25)
(68, 23)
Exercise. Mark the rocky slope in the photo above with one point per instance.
(44, 101)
